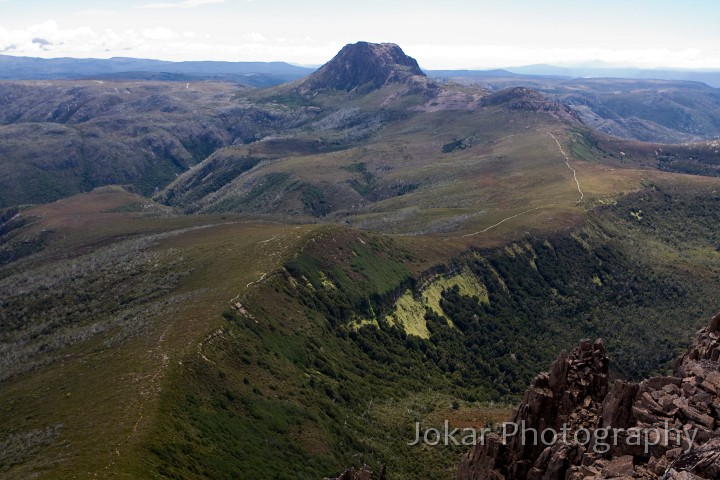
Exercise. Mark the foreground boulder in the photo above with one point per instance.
(571, 425)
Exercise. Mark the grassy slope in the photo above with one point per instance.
(296, 372)
(155, 295)
(400, 179)
(163, 377)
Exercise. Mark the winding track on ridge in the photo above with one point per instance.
(506, 219)
(567, 162)
(577, 182)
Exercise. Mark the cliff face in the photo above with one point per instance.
(662, 427)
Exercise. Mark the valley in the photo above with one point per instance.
(207, 280)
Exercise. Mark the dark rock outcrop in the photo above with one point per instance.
(366, 65)
(570, 393)
(662, 427)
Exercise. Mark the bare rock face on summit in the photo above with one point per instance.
(663, 427)
(366, 65)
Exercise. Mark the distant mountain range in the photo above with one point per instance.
(710, 77)
(258, 74)
(264, 74)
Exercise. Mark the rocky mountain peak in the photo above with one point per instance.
(367, 65)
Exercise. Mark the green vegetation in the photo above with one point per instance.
(213, 174)
(466, 282)
(409, 315)
(700, 162)
(366, 183)
(314, 201)
(584, 146)
(338, 393)
(366, 273)
(14, 244)
(456, 144)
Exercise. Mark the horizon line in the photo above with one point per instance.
(561, 66)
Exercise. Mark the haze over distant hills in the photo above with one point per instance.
(273, 73)
(600, 70)
(260, 74)
(664, 111)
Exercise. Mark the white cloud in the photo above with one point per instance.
(43, 37)
(184, 4)
(49, 39)
(255, 37)
(160, 33)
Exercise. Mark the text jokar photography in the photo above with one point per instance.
(598, 440)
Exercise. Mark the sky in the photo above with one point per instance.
(448, 34)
